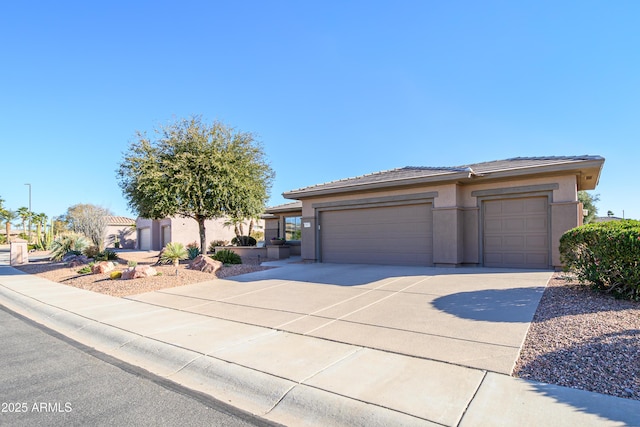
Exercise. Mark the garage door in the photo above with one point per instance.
(516, 233)
(145, 239)
(399, 235)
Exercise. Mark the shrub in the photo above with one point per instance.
(85, 270)
(67, 242)
(132, 264)
(173, 253)
(606, 255)
(243, 241)
(193, 250)
(214, 243)
(91, 251)
(106, 255)
(226, 256)
(115, 275)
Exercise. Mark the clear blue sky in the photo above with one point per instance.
(333, 89)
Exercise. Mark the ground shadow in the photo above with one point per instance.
(492, 305)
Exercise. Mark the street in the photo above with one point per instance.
(50, 380)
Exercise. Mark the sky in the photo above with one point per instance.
(332, 89)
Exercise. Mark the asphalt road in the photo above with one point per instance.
(48, 380)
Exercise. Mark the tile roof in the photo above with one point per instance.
(444, 173)
(120, 220)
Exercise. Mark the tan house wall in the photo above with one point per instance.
(186, 230)
(457, 213)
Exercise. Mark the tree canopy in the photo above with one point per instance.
(88, 220)
(196, 170)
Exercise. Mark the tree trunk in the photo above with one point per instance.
(203, 234)
(8, 226)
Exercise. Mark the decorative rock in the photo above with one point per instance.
(139, 271)
(74, 260)
(205, 264)
(102, 267)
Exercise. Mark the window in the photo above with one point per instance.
(292, 228)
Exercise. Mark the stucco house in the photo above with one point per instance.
(122, 230)
(154, 234)
(503, 213)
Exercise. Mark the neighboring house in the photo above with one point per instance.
(154, 234)
(122, 230)
(505, 213)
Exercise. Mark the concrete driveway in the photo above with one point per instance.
(473, 317)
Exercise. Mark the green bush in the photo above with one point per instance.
(85, 270)
(214, 243)
(92, 251)
(106, 255)
(606, 255)
(226, 256)
(243, 241)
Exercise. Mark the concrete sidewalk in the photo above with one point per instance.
(290, 350)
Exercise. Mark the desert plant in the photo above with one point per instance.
(214, 243)
(85, 270)
(605, 255)
(91, 251)
(193, 250)
(115, 275)
(174, 252)
(106, 255)
(227, 256)
(67, 242)
(243, 241)
(132, 264)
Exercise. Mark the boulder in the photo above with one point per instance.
(102, 267)
(74, 260)
(205, 264)
(139, 271)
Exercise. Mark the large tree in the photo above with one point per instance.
(89, 220)
(196, 170)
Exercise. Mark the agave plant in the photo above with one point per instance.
(174, 252)
(66, 243)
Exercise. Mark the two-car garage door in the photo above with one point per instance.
(400, 235)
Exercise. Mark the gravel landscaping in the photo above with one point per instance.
(578, 338)
(584, 340)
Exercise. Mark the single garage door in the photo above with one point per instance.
(145, 239)
(516, 233)
(398, 235)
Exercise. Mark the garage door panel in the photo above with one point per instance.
(378, 235)
(516, 233)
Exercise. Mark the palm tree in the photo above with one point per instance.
(7, 216)
(174, 252)
(24, 215)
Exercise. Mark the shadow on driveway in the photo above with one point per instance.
(492, 305)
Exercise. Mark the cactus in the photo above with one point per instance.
(44, 240)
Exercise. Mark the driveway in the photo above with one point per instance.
(473, 317)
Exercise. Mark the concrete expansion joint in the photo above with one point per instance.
(475, 393)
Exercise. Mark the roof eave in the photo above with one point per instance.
(587, 172)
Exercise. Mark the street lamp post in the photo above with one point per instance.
(30, 213)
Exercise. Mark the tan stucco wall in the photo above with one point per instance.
(457, 214)
(186, 230)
